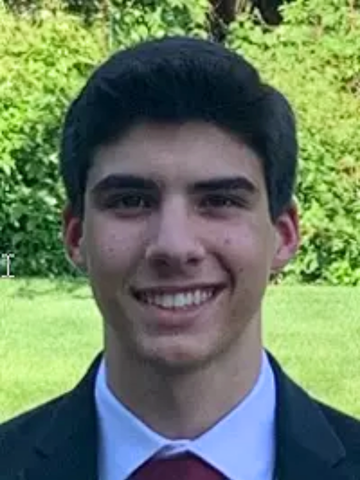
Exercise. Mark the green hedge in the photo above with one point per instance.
(313, 57)
(42, 65)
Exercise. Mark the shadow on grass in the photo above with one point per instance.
(30, 288)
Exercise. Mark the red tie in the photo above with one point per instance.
(182, 467)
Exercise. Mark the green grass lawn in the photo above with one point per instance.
(50, 331)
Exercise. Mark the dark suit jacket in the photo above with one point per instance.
(58, 441)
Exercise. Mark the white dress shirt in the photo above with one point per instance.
(241, 446)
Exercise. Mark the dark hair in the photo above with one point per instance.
(178, 79)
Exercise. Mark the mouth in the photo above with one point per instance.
(174, 300)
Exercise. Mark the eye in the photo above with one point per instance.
(130, 202)
(216, 201)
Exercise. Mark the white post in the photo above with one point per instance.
(8, 263)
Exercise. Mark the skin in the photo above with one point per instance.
(177, 234)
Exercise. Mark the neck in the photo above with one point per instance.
(180, 405)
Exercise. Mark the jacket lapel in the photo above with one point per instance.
(307, 446)
(67, 449)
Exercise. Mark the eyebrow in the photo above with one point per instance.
(134, 182)
(117, 182)
(224, 184)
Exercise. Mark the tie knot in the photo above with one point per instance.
(181, 467)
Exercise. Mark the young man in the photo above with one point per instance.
(179, 166)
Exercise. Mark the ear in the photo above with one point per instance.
(287, 237)
(73, 238)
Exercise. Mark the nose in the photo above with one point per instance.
(174, 243)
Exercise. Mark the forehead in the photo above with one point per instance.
(181, 153)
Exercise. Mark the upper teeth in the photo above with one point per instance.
(178, 300)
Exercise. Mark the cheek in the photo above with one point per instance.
(246, 253)
(243, 247)
(112, 247)
(247, 263)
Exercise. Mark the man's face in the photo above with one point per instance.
(177, 241)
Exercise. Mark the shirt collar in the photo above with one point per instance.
(125, 442)
(242, 444)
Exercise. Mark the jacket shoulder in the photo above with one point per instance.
(19, 434)
(347, 428)
(44, 428)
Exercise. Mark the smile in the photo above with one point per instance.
(180, 300)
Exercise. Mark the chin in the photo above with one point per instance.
(175, 357)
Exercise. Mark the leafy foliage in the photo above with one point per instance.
(313, 57)
(43, 65)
